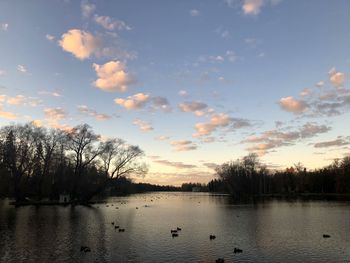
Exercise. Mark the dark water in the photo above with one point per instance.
(273, 231)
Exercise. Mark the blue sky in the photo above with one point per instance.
(193, 83)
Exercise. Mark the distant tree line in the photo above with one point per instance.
(248, 177)
(39, 163)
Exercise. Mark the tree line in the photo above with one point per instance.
(43, 163)
(249, 177)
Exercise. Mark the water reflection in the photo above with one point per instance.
(270, 231)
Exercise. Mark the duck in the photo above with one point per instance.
(211, 237)
(326, 236)
(178, 229)
(121, 230)
(237, 250)
(85, 249)
(116, 227)
(220, 260)
(175, 235)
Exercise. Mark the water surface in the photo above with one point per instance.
(270, 231)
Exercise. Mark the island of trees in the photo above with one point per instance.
(38, 164)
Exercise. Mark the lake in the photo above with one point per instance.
(269, 231)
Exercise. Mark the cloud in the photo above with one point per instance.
(49, 37)
(87, 9)
(4, 27)
(111, 24)
(252, 7)
(143, 125)
(112, 76)
(141, 100)
(20, 100)
(183, 145)
(340, 141)
(81, 44)
(219, 120)
(321, 100)
(273, 139)
(7, 115)
(179, 165)
(194, 12)
(336, 78)
(22, 68)
(55, 114)
(231, 55)
(306, 92)
(211, 165)
(137, 101)
(162, 138)
(98, 116)
(293, 105)
(183, 93)
(161, 103)
(51, 93)
(192, 106)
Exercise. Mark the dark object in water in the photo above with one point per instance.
(121, 230)
(178, 229)
(116, 227)
(173, 231)
(211, 237)
(175, 235)
(326, 236)
(220, 260)
(112, 223)
(85, 249)
(237, 250)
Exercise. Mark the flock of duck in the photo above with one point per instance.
(174, 233)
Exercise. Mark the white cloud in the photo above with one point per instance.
(336, 78)
(179, 165)
(162, 138)
(272, 139)
(81, 44)
(160, 103)
(252, 7)
(194, 12)
(55, 114)
(183, 93)
(110, 23)
(87, 9)
(49, 37)
(231, 55)
(293, 105)
(93, 113)
(22, 68)
(51, 93)
(112, 77)
(136, 101)
(141, 100)
(183, 145)
(20, 100)
(192, 106)
(7, 115)
(4, 26)
(219, 120)
(340, 141)
(143, 125)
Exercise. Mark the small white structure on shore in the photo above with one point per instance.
(64, 198)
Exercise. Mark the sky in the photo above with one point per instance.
(193, 83)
